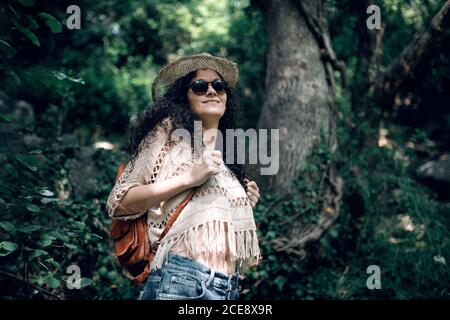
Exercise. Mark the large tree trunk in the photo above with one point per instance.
(299, 99)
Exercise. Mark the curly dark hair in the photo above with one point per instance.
(174, 105)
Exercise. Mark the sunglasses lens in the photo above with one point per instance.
(219, 86)
(199, 87)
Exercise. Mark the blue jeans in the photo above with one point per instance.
(181, 278)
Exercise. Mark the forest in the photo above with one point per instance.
(360, 206)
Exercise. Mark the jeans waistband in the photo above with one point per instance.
(203, 271)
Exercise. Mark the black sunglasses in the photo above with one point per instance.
(200, 87)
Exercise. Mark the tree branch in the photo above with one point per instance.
(299, 238)
(317, 26)
(403, 66)
(17, 278)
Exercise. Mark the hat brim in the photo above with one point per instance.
(182, 66)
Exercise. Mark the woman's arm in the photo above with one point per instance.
(142, 197)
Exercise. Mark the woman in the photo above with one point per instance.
(213, 240)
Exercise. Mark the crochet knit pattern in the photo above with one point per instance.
(216, 224)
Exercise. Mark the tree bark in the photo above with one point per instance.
(368, 56)
(299, 101)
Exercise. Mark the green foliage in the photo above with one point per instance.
(386, 219)
(54, 25)
(90, 82)
(44, 230)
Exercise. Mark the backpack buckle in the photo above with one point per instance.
(155, 246)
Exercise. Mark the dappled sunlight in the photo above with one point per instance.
(412, 12)
(383, 140)
(62, 191)
(406, 222)
(402, 229)
(440, 260)
(103, 145)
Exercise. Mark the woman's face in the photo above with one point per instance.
(210, 106)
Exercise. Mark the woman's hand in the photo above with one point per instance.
(252, 192)
(209, 166)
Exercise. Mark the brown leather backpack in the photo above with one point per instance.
(131, 243)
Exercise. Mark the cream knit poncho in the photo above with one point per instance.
(216, 227)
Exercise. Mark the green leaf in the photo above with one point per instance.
(71, 246)
(29, 161)
(280, 281)
(8, 246)
(32, 24)
(15, 77)
(46, 193)
(29, 229)
(38, 253)
(78, 80)
(54, 25)
(8, 227)
(334, 233)
(52, 282)
(84, 282)
(45, 242)
(102, 271)
(7, 48)
(50, 235)
(33, 208)
(30, 35)
(62, 236)
(59, 75)
(4, 254)
(5, 117)
(40, 281)
(49, 200)
(37, 151)
(53, 263)
(27, 3)
(112, 275)
(79, 225)
(271, 234)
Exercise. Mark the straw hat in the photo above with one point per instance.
(182, 66)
